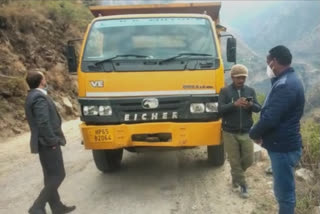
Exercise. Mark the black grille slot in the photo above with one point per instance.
(156, 137)
(164, 105)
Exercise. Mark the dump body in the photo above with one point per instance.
(211, 9)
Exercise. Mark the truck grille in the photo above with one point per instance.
(166, 108)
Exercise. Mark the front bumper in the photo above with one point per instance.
(182, 134)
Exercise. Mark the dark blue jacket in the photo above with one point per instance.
(279, 124)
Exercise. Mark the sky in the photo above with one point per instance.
(231, 10)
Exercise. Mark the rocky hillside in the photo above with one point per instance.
(33, 36)
(293, 24)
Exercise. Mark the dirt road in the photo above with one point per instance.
(157, 183)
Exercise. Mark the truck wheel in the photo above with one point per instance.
(107, 160)
(216, 155)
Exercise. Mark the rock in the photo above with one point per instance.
(16, 130)
(67, 102)
(58, 105)
(68, 107)
(305, 175)
(268, 170)
(316, 210)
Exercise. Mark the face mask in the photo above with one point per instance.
(270, 72)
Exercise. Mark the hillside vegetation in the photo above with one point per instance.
(33, 35)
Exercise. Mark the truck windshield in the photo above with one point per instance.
(156, 38)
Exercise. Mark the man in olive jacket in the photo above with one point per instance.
(46, 138)
(236, 104)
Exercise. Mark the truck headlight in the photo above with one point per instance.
(105, 110)
(90, 110)
(197, 108)
(211, 107)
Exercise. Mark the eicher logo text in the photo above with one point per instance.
(151, 116)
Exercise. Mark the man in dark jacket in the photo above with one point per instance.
(236, 104)
(278, 129)
(46, 137)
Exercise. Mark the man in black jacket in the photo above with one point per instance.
(46, 138)
(236, 104)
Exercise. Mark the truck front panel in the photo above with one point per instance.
(150, 82)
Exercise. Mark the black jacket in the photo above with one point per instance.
(44, 121)
(236, 119)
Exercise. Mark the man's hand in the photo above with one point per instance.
(258, 141)
(241, 102)
(248, 105)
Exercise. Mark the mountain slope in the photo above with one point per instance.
(294, 24)
(33, 36)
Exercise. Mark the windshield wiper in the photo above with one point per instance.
(184, 54)
(122, 55)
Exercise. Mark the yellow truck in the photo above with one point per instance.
(149, 77)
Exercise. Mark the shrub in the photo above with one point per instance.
(65, 12)
(70, 12)
(12, 87)
(310, 131)
(308, 195)
(260, 98)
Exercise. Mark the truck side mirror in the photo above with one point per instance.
(231, 50)
(72, 58)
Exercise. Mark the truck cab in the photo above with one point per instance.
(149, 77)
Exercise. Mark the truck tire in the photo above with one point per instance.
(107, 160)
(216, 155)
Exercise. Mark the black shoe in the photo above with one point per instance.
(244, 191)
(37, 211)
(64, 209)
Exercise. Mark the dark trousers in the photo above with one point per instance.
(53, 170)
(239, 148)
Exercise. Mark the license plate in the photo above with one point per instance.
(100, 135)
